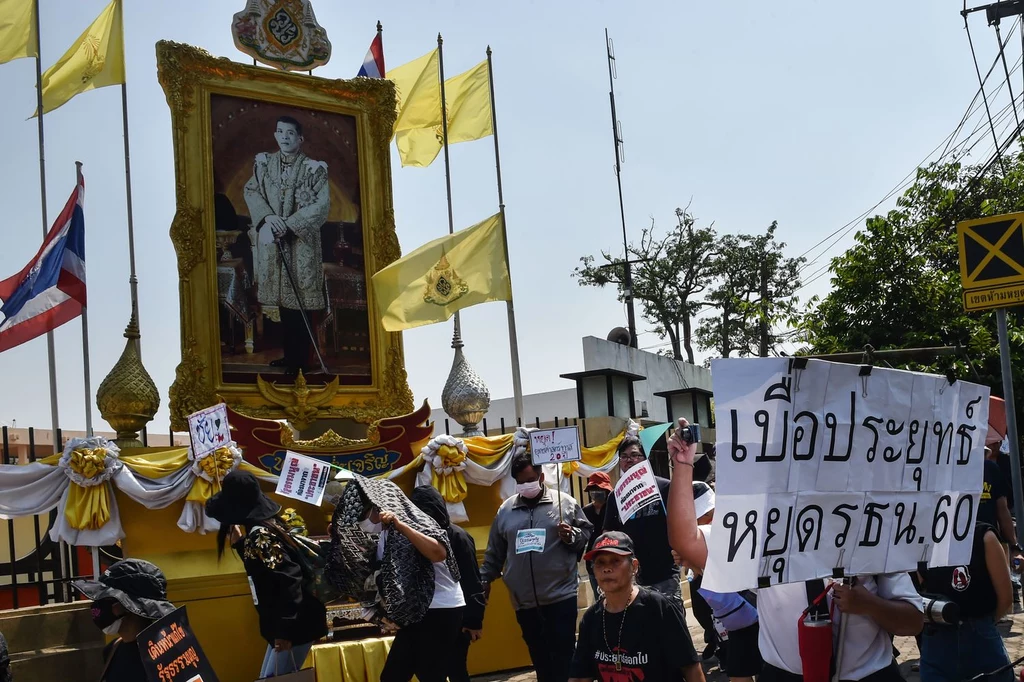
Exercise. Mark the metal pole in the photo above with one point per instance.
(51, 353)
(457, 336)
(1011, 416)
(628, 284)
(133, 281)
(85, 338)
(513, 339)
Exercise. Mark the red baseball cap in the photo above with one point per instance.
(613, 542)
(599, 479)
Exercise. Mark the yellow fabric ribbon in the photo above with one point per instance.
(569, 468)
(202, 490)
(88, 508)
(451, 484)
(154, 463)
(486, 451)
(602, 455)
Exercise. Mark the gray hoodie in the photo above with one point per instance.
(536, 578)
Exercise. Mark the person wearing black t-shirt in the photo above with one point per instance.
(649, 530)
(973, 645)
(634, 634)
(993, 508)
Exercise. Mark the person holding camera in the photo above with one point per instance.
(971, 644)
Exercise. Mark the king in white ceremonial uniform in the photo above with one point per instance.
(289, 199)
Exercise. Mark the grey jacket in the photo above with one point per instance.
(536, 578)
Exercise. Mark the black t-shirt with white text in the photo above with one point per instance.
(648, 651)
(994, 487)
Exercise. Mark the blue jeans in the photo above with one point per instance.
(950, 653)
(281, 662)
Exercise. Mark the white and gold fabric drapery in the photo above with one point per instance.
(450, 463)
(79, 484)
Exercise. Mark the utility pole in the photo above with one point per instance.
(763, 331)
(617, 139)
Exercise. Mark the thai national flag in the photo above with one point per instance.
(50, 290)
(373, 63)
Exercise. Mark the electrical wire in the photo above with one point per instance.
(977, 70)
(839, 234)
(908, 179)
(1006, 70)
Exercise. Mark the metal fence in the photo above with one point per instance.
(35, 570)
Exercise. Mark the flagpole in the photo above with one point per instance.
(51, 354)
(457, 339)
(513, 339)
(87, 379)
(85, 335)
(133, 280)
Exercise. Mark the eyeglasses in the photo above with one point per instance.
(635, 454)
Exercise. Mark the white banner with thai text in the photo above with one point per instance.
(825, 466)
(209, 429)
(635, 490)
(303, 478)
(555, 446)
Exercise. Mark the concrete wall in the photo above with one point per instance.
(547, 406)
(662, 372)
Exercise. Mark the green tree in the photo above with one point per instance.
(669, 274)
(755, 294)
(898, 286)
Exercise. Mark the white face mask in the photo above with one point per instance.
(114, 627)
(368, 526)
(530, 489)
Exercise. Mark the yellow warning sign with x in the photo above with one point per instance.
(992, 261)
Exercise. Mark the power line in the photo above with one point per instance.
(977, 70)
(908, 179)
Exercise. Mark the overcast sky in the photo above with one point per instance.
(803, 112)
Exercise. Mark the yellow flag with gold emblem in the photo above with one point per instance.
(419, 92)
(17, 30)
(95, 60)
(468, 97)
(444, 276)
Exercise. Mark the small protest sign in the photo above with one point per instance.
(303, 478)
(530, 540)
(826, 467)
(209, 429)
(171, 652)
(554, 446)
(635, 490)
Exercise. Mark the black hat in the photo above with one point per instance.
(614, 542)
(139, 586)
(240, 501)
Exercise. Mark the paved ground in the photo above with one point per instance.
(1012, 629)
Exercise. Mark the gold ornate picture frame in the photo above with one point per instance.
(231, 125)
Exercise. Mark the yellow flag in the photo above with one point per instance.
(419, 93)
(17, 30)
(446, 275)
(95, 60)
(468, 97)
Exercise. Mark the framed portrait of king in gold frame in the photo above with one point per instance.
(284, 212)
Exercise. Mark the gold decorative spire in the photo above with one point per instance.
(465, 397)
(128, 398)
